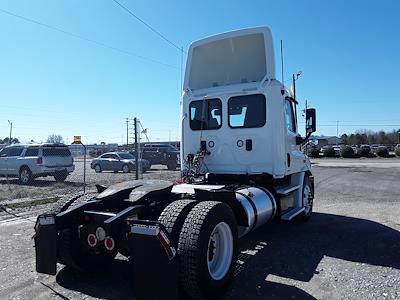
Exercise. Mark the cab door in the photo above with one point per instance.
(294, 158)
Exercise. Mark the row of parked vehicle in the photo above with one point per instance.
(29, 161)
(151, 154)
(354, 150)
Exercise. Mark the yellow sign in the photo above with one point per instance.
(77, 139)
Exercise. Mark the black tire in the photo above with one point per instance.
(25, 176)
(97, 168)
(194, 250)
(69, 202)
(173, 217)
(307, 203)
(60, 177)
(171, 165)
(126, 168)
(70, 250)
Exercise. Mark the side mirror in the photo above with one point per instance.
(310, 121)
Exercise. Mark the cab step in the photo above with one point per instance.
(292, 213)
(287, 189)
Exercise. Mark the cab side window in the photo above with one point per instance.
(289, 116)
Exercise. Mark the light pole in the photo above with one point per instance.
(10, 130)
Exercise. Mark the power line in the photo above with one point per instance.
(77, 36)
(148, 26)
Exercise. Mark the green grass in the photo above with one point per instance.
(30, 203)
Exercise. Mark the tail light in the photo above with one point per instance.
(91, 240)
(109, 243)
(39, 160)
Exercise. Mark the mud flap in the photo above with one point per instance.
(46, 245)
(153, 261)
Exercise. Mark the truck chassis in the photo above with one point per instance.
(193, 228)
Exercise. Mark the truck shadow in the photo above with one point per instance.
(112, 283)
(287, 250)
(293, 251)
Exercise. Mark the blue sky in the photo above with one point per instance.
(55, 83)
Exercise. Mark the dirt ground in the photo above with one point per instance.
(348, 250)
(44, 187)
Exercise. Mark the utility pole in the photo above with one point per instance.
(10, 130)
(337, 128)
(136, 150)
(127, 133)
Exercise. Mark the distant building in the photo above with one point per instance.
(321, 141)
(79, 150)
(176, 144)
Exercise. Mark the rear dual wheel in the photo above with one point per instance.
(205, 235)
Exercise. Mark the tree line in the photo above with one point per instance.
(6, 141)
(371, 137)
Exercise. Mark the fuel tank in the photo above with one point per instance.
(259, 205)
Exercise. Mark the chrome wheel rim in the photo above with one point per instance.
(97, 169)
(125, 169)
(307, 199)
(220, 251)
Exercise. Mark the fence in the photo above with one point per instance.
(16, 196)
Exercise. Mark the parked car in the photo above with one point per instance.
(355, 148)
(374, 147)
(36, 160)
(162, 154)
(118, 161)
(364, 150)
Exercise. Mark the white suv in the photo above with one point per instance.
(36, 160)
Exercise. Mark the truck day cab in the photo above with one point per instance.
(241, 168)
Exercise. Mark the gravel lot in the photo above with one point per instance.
(348, 250)
(44, 187)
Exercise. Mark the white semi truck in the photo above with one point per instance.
(241, 168)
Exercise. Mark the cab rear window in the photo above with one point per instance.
(248, 111)
(205, 114)
(56, 151)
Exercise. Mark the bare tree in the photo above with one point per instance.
(55, 138)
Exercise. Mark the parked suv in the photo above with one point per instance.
(162, 154)
(30, 161)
